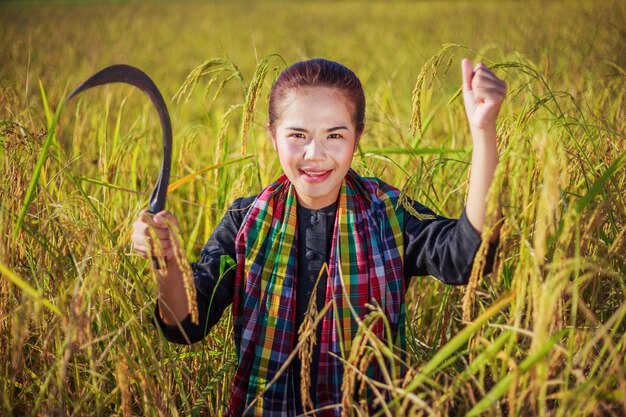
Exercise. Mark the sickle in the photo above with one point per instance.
(134, 76)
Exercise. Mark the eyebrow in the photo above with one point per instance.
(332, 129)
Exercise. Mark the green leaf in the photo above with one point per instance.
(501, 387)
(597, 186)
(28, 289)
(30, 192)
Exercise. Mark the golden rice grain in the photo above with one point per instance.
(122, 379)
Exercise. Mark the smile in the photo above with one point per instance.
(315, 176)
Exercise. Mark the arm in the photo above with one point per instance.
(214, 289)
(441, 247)
(445, 248)
(172, 296)
(483, 94)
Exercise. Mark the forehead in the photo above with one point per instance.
(315, 104)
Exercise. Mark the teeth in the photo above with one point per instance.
(315, 174)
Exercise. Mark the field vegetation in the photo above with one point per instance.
(543, 335)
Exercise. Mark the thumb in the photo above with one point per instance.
(468, 74)
(163, 218)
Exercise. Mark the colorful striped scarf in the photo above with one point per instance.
(366, 267)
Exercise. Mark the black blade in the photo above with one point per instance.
(134, 76)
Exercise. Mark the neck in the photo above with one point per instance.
(317, 203)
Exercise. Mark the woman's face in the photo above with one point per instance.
(315, 139)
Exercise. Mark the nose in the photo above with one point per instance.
(314, 150)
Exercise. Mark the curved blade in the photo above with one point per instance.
(134, 76)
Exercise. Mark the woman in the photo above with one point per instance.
(321, 214)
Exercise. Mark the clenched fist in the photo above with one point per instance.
(483, 93)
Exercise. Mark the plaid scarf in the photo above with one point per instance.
(366, 267)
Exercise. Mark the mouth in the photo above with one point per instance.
(315, 176)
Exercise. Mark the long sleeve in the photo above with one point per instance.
(214, 279)
(441, 247)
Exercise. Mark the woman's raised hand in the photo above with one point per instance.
(483, 93)
(143, 238)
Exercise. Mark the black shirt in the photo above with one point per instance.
(441, 247)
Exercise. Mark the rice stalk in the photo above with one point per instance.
(307, 337)
(214, 69)
(415, 122)
(253, 92)
(121, 376)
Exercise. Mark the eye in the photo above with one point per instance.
(335, 136)
(297, 135)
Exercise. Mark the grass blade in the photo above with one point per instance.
(459, 340)
(597, 186)
(455, 344)
(418, 151)
(187, 178)
(28, 289)
(501, 387)
(30, 192)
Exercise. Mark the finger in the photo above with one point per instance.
(491, 90)
(480, 65)
(144, 231)
(468, 73)
(488, 81)
(141, 251)
(161, 234)
(146, 221)
(159, 222)
(152, 243)
(485, 77)
(152, 249)
(152, 219)
(483, 93)
(170, 253)
(163, 218)
(495, 93)
(482, 73)
(166, 245)
(165, 249)
(141, 241)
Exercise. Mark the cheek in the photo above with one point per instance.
(342, 149)
(286, 150)
(348, 159)
(343, 155)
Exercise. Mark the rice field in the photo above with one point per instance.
(543, 335)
